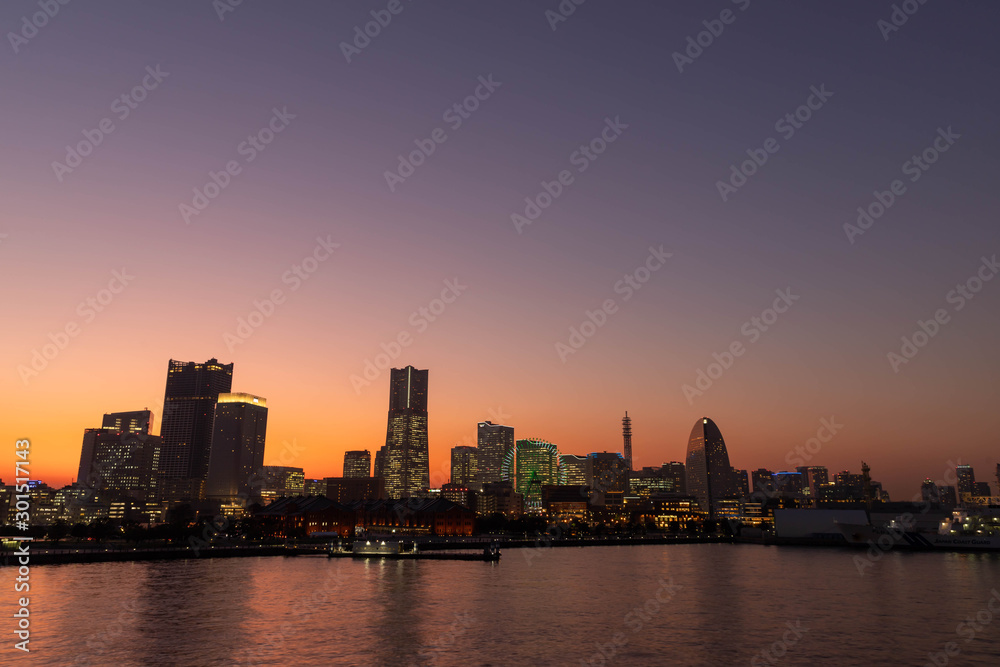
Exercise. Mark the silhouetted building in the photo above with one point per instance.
(357, 463)
(812, 478)
(494, 442)
(966, 479)
(347, 489)
(464, 468)
(406, 466)
(741, 483)
(457, 493)
(565, 503)
(314, 487)
(572, 470)
(607, 472)
(237, 452)
(981, 490)
(281, 482)
(709, 473)
(188, 416)
(119, 464)
(137, 421)
(788, 483)
(500, 498)
(677, 472)
(762, 481)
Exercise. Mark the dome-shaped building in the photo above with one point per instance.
(709, 474)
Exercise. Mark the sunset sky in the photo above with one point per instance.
(492, 351)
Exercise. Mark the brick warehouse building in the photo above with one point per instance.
(304, 515)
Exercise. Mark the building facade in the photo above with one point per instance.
(464, 465)
(358, 463)
(494, 442)
(709, 473)
(406, 464)
(237, 452)
(189, 414)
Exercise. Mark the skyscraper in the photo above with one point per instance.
(406, 466)
(464, 465)
(966, 479)
(572, 470)
(137, 421)
(188, 415)
(709, 474)
(119, 464)
(494, 442)
(237, 450)
(607, 472)
(537, 465)
(357, 463)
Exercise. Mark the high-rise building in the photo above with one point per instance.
(357, 463)
(676, 471)
(627, 440)
(607, 472)
(572, 470)
(188, 416)
(237, 452)
(536, 465)
(741, 483)
(709, 473)
(789, 483)
(406, 465)
(966, 479)
(464, 468)
(495, 442)
(981, 489)
(762, 481)
(137, 421)
(812, 478)
(119, 464)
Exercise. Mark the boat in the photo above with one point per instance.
(963, 531)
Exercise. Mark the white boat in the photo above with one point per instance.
(962, 531)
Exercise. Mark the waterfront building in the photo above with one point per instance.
(709, 473)
(237, 449)
(189, 414)
(406, 465)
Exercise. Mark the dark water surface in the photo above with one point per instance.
(718, 605)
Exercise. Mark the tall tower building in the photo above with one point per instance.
(966, 479)
(494, 442)
(709, 474)
(188, 415)
(464, 465)
(237, 451)
(357, 463)
(406, 465)
(627, 436)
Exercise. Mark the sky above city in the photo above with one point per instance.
(563, 216)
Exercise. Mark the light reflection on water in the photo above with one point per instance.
(559, 606)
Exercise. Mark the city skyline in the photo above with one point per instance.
(307, 267)
(404, 390)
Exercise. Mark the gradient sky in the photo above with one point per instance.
(492, 353)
